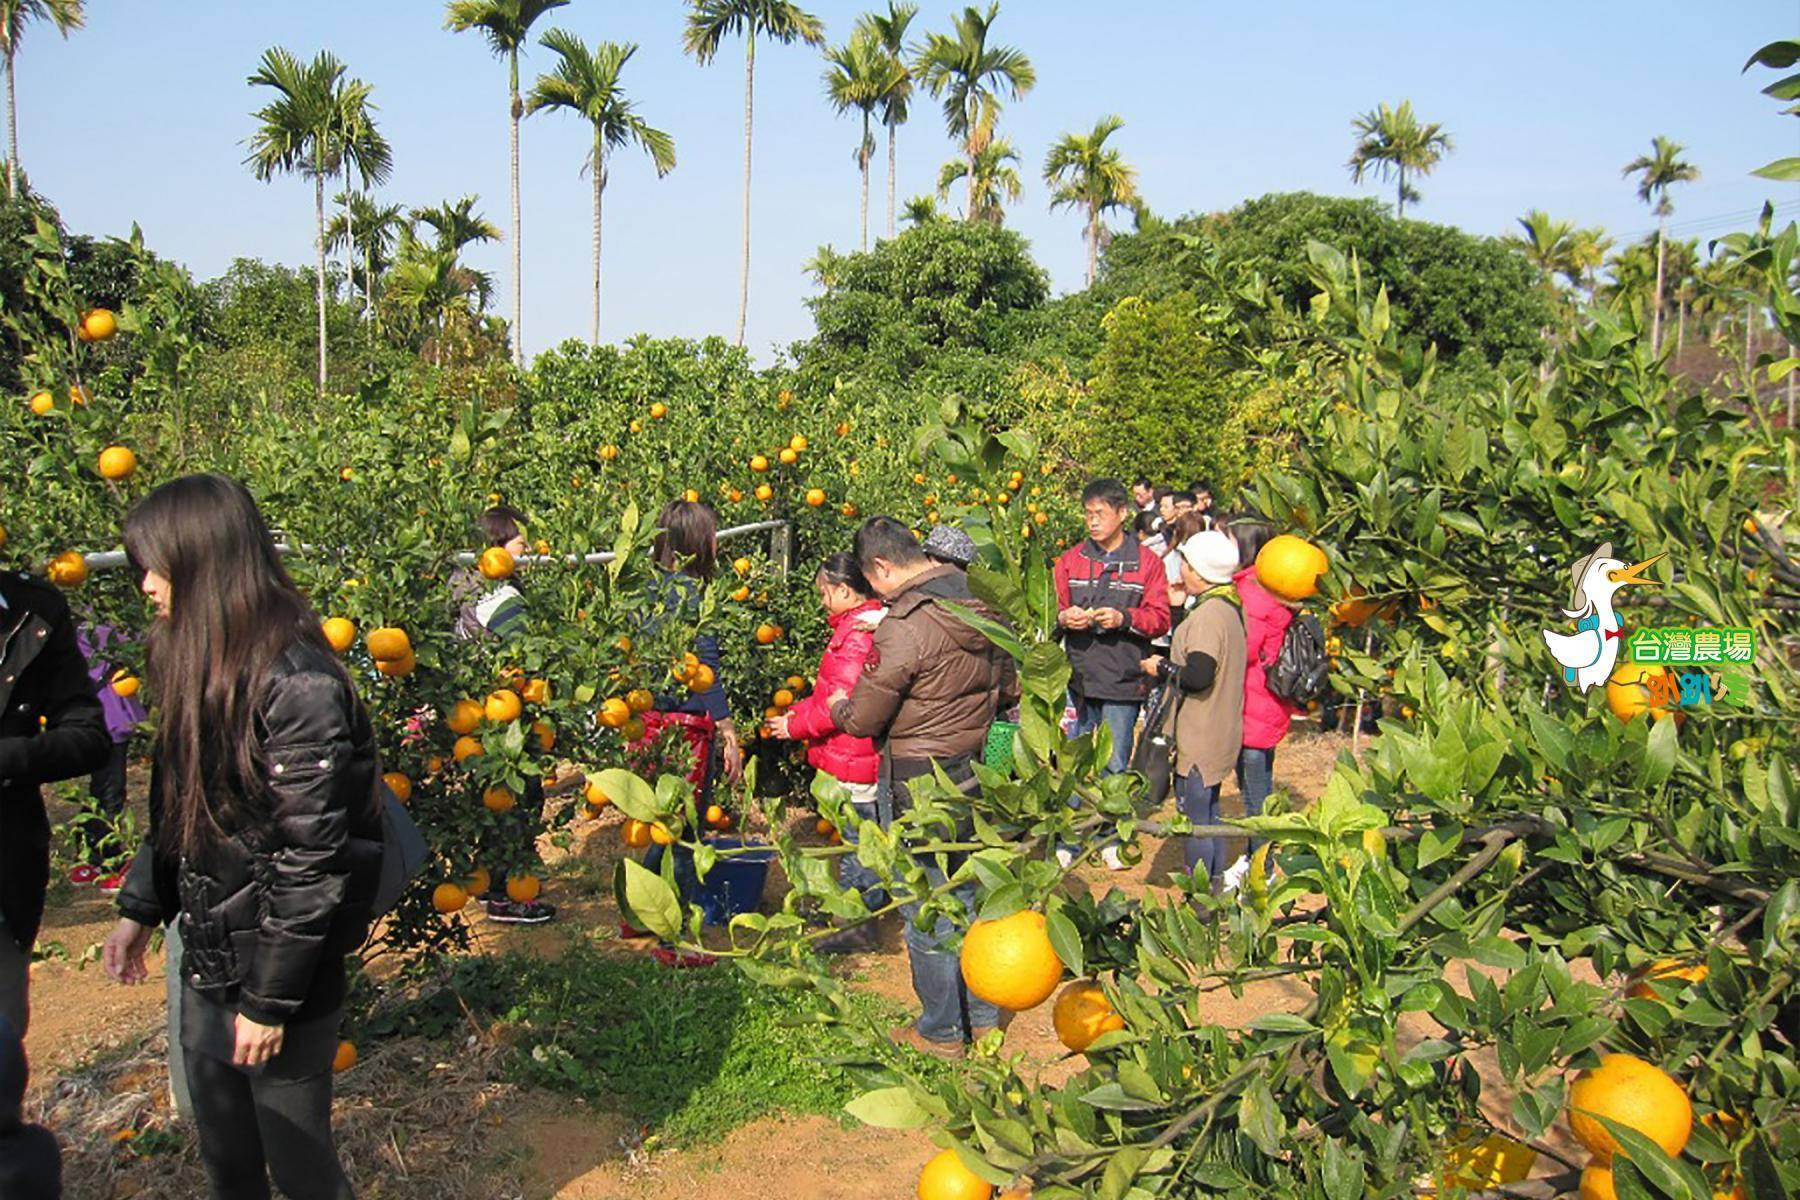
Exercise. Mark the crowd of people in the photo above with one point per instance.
(266, 833)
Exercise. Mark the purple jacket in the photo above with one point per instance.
(122, 714)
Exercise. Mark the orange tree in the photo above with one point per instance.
(1511, 883)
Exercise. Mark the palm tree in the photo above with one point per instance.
(1391, 141)
(587, 83)
(992, 181)
(709, 23)
(320, 125)
(1661, 169)
(507, 25)
(368, 230)
(859, 74)
(457, 224)
(429, 286)
(14, 16)
(970, 76)
(921, 210)
(1083, 173)
(896, 102)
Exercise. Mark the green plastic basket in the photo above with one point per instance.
(998, 753)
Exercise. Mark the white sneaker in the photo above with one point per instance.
(1110, 856)
(1234, 874)
(1065, 858)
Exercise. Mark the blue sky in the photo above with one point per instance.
(143, 115)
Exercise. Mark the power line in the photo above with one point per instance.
(1734, 219)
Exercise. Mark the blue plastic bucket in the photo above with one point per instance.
(735, 884)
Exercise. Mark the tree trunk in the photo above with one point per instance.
(893, 133)
(1656, 311)
(1093, 243)
(369, 285)
(12, 129)
(863, 156)
(969, 207)
(599, 187)
(1400, 197)
(1750, 349)
(518, 305)
(749, 116)
(319, 213)
(1680, 325)
(1790, 389)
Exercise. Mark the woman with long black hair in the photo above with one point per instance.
(265, 837)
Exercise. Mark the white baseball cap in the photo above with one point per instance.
(1212, 555)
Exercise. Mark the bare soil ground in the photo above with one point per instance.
(437, 1119)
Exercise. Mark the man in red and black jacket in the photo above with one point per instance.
(1114, 599)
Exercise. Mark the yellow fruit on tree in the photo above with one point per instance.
(639, 700)
(788, 458)
(448, 898)
(399, 784)
(815, 497)
(1628, 695)
(479, 883)
(614, 712)
(945, 1178)
(116, 462)
(783, 698)
(79, 396)
(388, 642)
(1597, 1182)
(764, 492)
(345, 1058)
(398, 668)
(535, 691)
(503, 706)
(68, 569)
(691, 496)
(741, 593)
(849, 510)
(496, 562)
(1634, 1093)
(465, 717)
(742, 566)
(824, 828)
(767, 634)
(43, 404)
(632, 730)
(1290, 566)
(1082, 1014)
(545, 734)
(701, 679)
(523, 889)
(759, 463)
(635, 833)
(797, 443)
(595, 796)
(1666, 970)
(465, 748)
(98, 324)
(1493, 1161)
(658, 411)
(661, 834)
(340, 633)
(715, 815)
(1010, 962)
(609, 452)
(498, 800)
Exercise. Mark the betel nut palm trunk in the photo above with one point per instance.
(319, 214)
(749, 112)
(518, 296)
(599, 192)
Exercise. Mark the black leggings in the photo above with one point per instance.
(252, 1126)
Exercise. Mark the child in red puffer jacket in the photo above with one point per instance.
(854, 762)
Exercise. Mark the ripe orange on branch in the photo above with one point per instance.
(503, 706)
(340, 633)
(97, 325)
(1010, 962)
(398, 668)
(815, 497)
(496, 562)
(465, 717)
(1663, 971)
(398, 784)
(498, 800)
(388, 643)
(124, 684)
(116, 462)
(523, 889)
(1632, 1092)
(767, 634)
(43, 404)
(1290, 567)
(1082, 1014)
(466, 748)
(945, 1178)
(614, 713)
(448, 898)
(68, 569)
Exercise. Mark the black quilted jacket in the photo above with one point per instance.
(268, 914)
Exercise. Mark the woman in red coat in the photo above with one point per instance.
(854, 762)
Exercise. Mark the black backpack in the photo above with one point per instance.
(1300, 671)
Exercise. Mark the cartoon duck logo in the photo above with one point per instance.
(1587, 655)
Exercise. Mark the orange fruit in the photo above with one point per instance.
(1355, 611)
(661, 834)
(388, 642)
(596, 798)
(843, 429)
(346, 474)
(398, 784)
(340, 633)
(797, 443)
(97, 325)
(345, 1058)
(639, 700)
(116, 462)
(758, 463)
(849, 510)
(609, 452)
(691, 495)
(635, 833)
(68, 569)
(43, 404)
(480, 881)
(1083, 1013)
(767, 634)
(734, 495)
(536, 691)
(397, 668)
(124, 684)
(503, 706)
(636, 426)
(788, 457)
(764, 492)
(546, 735)
(1597, 1182)
(448, 898)
(1290, 566)
(632, 730)
(1009, 962)
(815, 497)
(658, 411)
(1633, 1092)
(1662, 970)
(614, 713)
(741, 594)
(945, 1178)
(783, 698)
(700, 679)
(498, 800)
(741, 565)
(824, 828)
(465, 717)
(434, 764)
(79, 396)
(496, 562)
(523, 889)
(465, 748)
(715, 815)
(1628, 695)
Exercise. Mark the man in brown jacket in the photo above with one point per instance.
(928, 694)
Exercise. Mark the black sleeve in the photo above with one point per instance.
(73, 740)
(1197, 672)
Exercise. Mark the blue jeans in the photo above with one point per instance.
(1200, 804)
(1119, 716)
(1256, 779)
(949, 1012)
(851, 872)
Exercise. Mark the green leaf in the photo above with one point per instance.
(1282, 1023)
(631, 794)
(1341, 1172)
(1112, 1096)
(1782, 170)
(1437, 843)
(1659, 756)
(647, 899)
(889, 1108)
(1662, 1172)
(1259, 1117)
(1065, 939)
